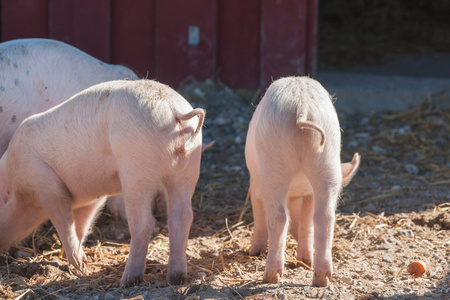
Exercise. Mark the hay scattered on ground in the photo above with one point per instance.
(390, 215)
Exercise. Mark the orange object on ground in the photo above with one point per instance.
(417, 268)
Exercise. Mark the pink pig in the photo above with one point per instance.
(37, 74)
(293, 155)
(139, 138)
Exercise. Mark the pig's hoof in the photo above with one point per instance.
(257, 250)
(272, 277)
(177, 278)
(124, 282)
(321, 279)
(306, 262)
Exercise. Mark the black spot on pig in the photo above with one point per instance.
(15, 65)
(2, 88)
(14, 118)
(23, 50)
(1, 109)
(104, 95)
(16, 81)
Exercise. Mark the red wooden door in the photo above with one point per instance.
(133, 35)
(238, 55)
(24, 19)
(84, 24)
(179, 52)
(283, 34)
(243, 43)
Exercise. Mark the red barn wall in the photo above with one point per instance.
(242, 43)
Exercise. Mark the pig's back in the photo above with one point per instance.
(99, 113)
(275, 133)
(301, 98)
(37, 74)
(291, 100)
(54, 71)
(89, 133)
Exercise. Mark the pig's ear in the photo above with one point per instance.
(349, 169)
(207, 146)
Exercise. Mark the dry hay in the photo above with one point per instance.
(373, 242)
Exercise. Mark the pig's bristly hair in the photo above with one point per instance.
(312, 126)
(200, 113)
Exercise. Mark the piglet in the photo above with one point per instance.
(139, 138)
(293, 155)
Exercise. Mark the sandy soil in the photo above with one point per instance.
(395, 211)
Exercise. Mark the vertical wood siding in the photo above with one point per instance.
(242, 43)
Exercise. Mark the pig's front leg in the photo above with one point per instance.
(116, 207)
(179, 219)
(259, 239)
(84, 216)
(302, 227)
(141, 224)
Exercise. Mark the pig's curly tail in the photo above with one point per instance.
(200, 113)
(313, 126)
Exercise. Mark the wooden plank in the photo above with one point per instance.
(24, 19)
(238, 55)
(283, 34)
(84, 24)
(175, 58)
(311, 36)
(133, 35)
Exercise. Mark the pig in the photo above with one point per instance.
(138, 138)
(37, 74)
(292, 152)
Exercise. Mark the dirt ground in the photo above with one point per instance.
(395, 211)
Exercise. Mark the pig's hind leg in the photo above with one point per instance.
(141, 222)
(326, 186)
(179, 219)
(274, 189)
